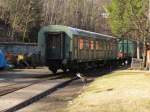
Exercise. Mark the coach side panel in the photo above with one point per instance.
(91, 49)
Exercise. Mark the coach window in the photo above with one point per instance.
(75, 42)
(81, 44)
(100, 45)
(97, 45)
(92, 45)
(111, 45)
(104, 45)
(107, 46)
(86, 44)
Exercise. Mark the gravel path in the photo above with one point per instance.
(58, 101)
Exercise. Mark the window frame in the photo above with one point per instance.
(92, 44)
(81, 43)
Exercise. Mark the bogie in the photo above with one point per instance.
(53, 69)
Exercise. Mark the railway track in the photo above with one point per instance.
(38, 96)
(10, 88)
(14, 86)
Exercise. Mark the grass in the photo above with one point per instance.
(120, 91)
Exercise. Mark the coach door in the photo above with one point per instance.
(54, 45)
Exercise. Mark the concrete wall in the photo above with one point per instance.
(17, 48)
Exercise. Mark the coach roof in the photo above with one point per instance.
(74, 31)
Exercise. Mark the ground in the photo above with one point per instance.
(25, 73)
(58, 101)
(120, 91)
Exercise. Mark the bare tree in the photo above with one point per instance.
(25, 15)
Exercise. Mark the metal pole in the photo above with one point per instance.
(123, 46)
(147, 63)
(128, 48)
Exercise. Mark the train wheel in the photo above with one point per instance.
(64, 69)
(54, 70)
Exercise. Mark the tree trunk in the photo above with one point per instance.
(138, 50)
(145, 53)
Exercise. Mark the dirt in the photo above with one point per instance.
(24, 73)
(58, 101)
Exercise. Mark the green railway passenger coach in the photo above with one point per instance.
(65, 48)
(128, 48)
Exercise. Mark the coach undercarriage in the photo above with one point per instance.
(75, 66)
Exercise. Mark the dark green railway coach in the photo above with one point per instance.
(128, 48)
(65, 47)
